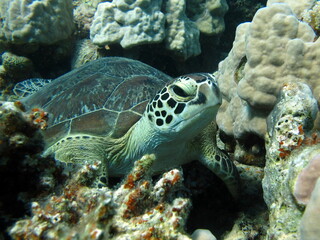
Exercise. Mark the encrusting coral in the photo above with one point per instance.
(289, 150)
(137, 209)
(18, 129)
(312, 17)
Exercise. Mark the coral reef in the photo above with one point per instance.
(18, 129)
(24, 174)
(86, 51)
(182, 35)
(137, 209)
(248, 227)
(83, 14)
(141, 22)
(128, 22)
(14, 64)
(298, 7)
(14, 69)
(270, 82)
(208, 15)
(273, 49)
(312, 17)
(288, 152)
(25, 22)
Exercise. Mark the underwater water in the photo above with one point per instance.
(159, 119)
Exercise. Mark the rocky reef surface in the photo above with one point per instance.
(275, 48)
(268, 122)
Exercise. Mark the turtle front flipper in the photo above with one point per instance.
(82, 150)
(218, 161)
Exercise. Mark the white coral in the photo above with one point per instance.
(43, 22)
(275, 48)
(133, 23)
(130, 23)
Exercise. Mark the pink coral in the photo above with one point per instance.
(309, 227)
(306, 180)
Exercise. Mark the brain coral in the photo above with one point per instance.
(46, 21)
(274, 49)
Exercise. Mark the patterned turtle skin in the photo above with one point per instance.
(115, 110)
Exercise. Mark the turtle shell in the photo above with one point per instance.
(104, 97)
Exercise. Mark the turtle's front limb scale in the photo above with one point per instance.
(83, 150)
(218, 161)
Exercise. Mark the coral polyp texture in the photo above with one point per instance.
(312, 17)
(128, 22)
(43, 22)
(274, 49)
(18, 130)
(288, 153)
(138, 209)
(178, 23)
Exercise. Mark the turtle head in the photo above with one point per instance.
(185, 106)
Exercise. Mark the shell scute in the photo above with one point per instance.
(103, 97)
(99, 123)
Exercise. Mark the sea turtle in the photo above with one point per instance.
(112, 111)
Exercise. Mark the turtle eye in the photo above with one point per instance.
(179, 91)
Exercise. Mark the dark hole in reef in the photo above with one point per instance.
(210, 197)
(254, 147)
(103, 179)
(239, 73)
